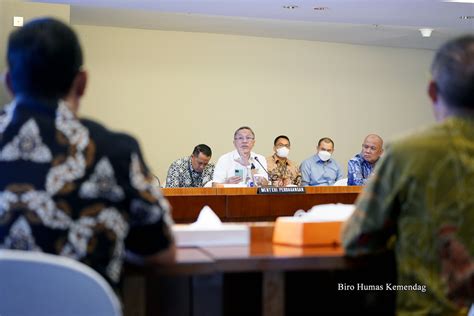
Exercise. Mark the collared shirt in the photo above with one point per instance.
(359, 170)
(421, 201)
(316, 172)
(283, 171)
(228, 163)
(182, 174)
(73, 188)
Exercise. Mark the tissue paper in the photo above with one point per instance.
(208, 230)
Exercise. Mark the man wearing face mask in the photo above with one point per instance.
(362, 165)
(282, 171)
(321, 169)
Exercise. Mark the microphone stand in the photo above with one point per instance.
(266, 171)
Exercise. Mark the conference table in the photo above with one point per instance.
(247, 205)
(261, 278)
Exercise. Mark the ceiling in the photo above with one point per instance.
(391, 23)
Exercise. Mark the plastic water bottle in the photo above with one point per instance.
(249, 179)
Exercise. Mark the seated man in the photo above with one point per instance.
(71, 187)
(191, 171)
(421, 203)
(282, 171)
(321, 169)
(241, 165)
(362, 166)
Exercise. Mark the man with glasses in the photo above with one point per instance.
(241, 166)
(282, 171)
(191, 171)
(362, 165)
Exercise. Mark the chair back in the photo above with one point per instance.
(35, 283)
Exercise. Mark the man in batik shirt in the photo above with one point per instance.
(362, 165)
(282, 171)
(191, 171)
(421, 199)
(71, 187)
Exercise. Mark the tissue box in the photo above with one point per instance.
(298, 232)
(224, 235)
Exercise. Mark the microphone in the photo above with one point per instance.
(256, 159)
(266, 171)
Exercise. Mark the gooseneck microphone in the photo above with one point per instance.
(268, 174)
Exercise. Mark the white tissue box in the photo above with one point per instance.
(224, 235)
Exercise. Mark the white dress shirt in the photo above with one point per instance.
(228, 163)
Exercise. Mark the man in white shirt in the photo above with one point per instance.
(241, 165)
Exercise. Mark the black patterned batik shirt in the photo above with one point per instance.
(74, 188)
(181, 174)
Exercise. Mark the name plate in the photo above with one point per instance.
(281, 190)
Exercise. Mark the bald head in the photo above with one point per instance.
(372, 148)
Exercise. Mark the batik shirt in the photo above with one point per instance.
(422, 201)
(283, 172)
(73, 188)
(359, 170)
(182, 174)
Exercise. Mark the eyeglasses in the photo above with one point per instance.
(241, 139)
(367, 147)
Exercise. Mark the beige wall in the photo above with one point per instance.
(28, 10)
(174, 90)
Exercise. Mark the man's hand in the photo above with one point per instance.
(234, 179)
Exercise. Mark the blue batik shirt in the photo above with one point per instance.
(359, 170)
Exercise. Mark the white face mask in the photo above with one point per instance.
(282, 152)
(324, 155)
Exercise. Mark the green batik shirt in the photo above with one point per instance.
(421, 202)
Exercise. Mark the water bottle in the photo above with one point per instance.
(249, 180)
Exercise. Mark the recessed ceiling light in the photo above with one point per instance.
(460, 1)
(320, 8)
(290, 7)
(426, 32)
(466, 17)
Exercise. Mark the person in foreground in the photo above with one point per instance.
(421, 199)
(241, 165)
(283, 171)
(321, 168)
(191, 171)
(362, 165)
(68, 186)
